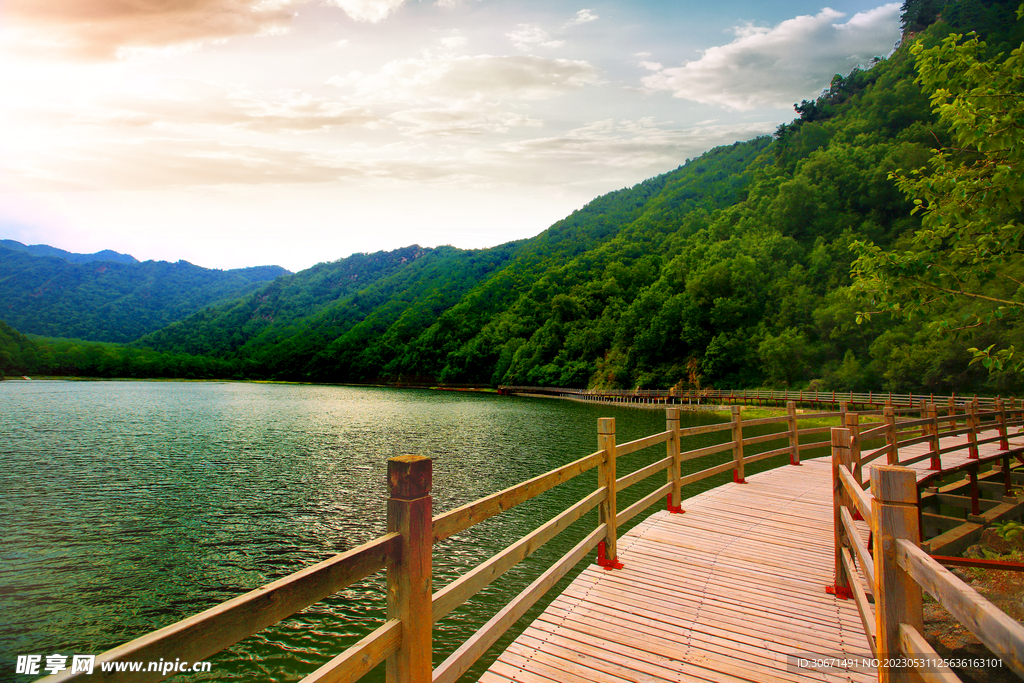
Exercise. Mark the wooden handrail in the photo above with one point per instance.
(898, 569)
(472, 582)
(461, 518)
(991, 625)
(459, 661)
(204, 634)
(640, 444)
(361, 658)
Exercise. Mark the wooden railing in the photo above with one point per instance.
(764, 396)
(404, 639)
(894, 568)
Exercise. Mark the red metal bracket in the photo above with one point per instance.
(674, 509)
(839, 591)
(935, 463)
(857, 517)
(792, 460)
(603, 561)
(737, 478)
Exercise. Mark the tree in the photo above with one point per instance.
(968, 252)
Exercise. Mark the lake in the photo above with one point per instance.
(127, 506)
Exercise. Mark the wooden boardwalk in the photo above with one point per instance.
(732, 590)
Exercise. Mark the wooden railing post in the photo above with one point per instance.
(1004, 445)
(607, 550)
(897, 594)
(840, 456)
(951, 411)
(737, 446)
(409, 587)
(972, 434)
(844, 408)
(672, 426)
(794, 438)
(889, 416)
(853, 424)
(933, 432)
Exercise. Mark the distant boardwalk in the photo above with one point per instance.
(732, 590)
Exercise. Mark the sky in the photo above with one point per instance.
(234, 133)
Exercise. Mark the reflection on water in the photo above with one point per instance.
(129, 505)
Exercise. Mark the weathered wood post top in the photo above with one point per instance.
(409, 476)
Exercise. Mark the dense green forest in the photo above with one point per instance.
(56, 293)
(731, 271)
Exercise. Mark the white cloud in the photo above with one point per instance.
(612, 152)
(459, 120)
(472, 78)
(525, 37)
(452, 42)
(153, 163)
(373, 11)
(786, 63)
(582, 17)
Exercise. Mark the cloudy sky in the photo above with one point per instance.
(233, 133)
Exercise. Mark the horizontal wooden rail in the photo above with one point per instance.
(993, 627)
(705, 473)
(859, 546)
(644, 503)
(461, 518)
(359, 660)
(915, 647)
(867, 614)
(707, 450)
(642, 473)
(472, 582)
(640, 444)
(463, 658)
(764, 438)
(786, 450)
(860, 498)
(197, 637)
(704, 429)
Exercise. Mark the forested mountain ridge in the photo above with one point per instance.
(731, 271)
(406, 321)
(70, 257)
(110, 301)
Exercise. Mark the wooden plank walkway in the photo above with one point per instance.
(732, 590)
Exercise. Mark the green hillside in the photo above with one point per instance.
(732, 270)
(111, 301)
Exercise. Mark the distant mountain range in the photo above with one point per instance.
(109, 296)
(47, 250)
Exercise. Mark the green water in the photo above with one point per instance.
(127, 506)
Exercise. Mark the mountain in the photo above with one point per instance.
(46, 250)
(111, 301)
(732, 270)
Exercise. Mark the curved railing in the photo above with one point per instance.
(879, 561)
